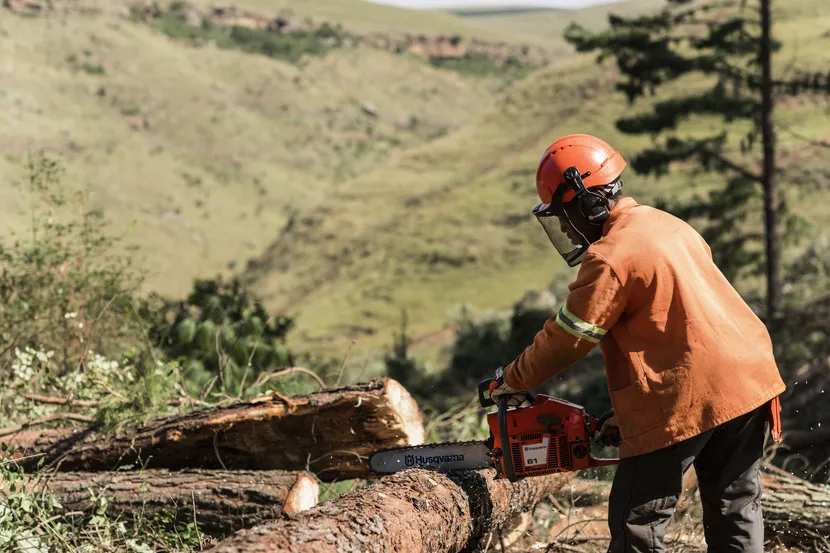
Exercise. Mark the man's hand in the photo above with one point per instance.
(608, 432)
(499, 388)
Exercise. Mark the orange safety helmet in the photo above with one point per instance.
(597, 161)
(569, 168)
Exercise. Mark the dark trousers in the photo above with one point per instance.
(727, 460)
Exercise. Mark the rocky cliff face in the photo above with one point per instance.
(433, 47)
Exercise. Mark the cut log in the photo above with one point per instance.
(414, 511)
(796, 512)
(221, 501)
(330, 433)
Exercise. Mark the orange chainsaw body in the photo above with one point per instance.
(550, 435)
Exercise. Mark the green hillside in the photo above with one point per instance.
(360, 181)
(449, 223)
(202, 154)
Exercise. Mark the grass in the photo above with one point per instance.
(264, 137)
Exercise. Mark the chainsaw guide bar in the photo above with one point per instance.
(442, 456)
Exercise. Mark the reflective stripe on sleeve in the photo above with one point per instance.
(578, 328)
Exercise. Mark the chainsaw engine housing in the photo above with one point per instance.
(551, 435)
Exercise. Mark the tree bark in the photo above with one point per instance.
(221, 501)
(796, 512)
(771, 204)
(330, 433)
(414, 511)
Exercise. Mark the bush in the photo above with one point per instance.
(289, 47)
(481, 65)
(220, 332)
(63, 286)
(284, 46)
(70, 324)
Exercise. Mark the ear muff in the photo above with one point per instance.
(593, 206)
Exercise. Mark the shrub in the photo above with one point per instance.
(70, 322)
(481, 65)
(220, 331)
(284, 46)
(63, 287)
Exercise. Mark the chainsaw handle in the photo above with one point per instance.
(484, 386)
(504, 438)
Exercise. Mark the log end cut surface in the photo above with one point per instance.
(303, 495)
(410, 420)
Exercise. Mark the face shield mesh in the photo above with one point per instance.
(570, 243)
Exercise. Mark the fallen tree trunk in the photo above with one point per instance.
(221, 501)
(796, 512)
(415, 511)
(330, 433)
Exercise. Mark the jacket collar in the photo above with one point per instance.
(620, 208)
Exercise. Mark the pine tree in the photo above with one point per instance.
(722, 50)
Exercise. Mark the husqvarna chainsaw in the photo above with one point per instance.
(549, 435)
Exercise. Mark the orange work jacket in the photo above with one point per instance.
(683, 352)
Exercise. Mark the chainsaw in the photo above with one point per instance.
(547, 436)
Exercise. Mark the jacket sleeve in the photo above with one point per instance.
(595, 302)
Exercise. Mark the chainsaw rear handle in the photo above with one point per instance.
(504, 437)
(484, 386)
(506, 453)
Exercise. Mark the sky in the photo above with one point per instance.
(477, 3)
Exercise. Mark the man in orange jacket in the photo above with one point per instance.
(689, 366)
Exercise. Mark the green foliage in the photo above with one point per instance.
(62, 286)
(336, 489)
(58, 286)
(289, 46)
(286, 47)
(86, 66)
(400, 365)
(70, 325)
(479, 64)
(220, 330)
